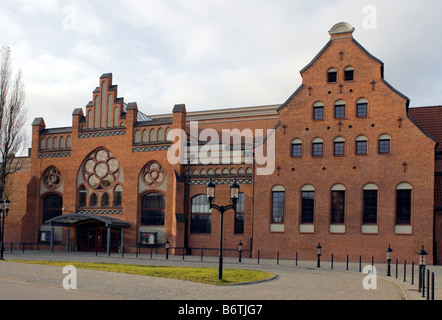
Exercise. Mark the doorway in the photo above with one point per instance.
(92, 237)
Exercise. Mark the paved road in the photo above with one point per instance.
(302, 282)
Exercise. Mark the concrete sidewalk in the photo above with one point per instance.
(294, 282)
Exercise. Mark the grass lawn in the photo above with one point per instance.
(203, 275)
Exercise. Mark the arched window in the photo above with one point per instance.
(361, 145)
(89, 119)
(152, 135)
(168, 134)
(339, 146)
(362, 108)
(340, 109)
(93, 200)
(68, 142)
(349, 74)
(318, 111)
(110, 103)
(145, 137)
(384, 144)
(160, 134)
(52, 207)
(137, 138)
(317, 147)
(201, 215)
(116, 116)
(153, 209)
(332, 75)
(105, 200)
(43, 144)
(239, 214)
(49, 143)
(296, 148)
(62, 143)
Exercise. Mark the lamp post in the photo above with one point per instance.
(167, 246)
(240, 248)
(4, 209)
(318, 253)
(234, 195)
(422, 253)
(389, 254)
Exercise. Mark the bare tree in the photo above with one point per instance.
(12, 118)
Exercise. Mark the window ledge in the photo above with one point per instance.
(337, 228)
(307, 228)
(370, 228)
(277, 227)
(403, 229)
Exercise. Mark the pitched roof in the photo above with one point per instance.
(430, 120)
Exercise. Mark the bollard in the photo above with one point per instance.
(405, 270)
(201, 255)
(432, 286)
(360, 263)
(428, 284)
(396, 268)
(331, 266)
(151, 253)
(347, 263)
(412, 272)
(296, 258)
(277, 258)
(258, 256)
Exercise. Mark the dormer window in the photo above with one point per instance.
(349, 74)
(332, 75)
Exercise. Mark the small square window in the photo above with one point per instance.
(332, 76)
(349, 75)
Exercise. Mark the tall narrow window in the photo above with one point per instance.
(201, 215)
(339, 146)
(239, 214)
(332, 75)
(403, 204)
(317, 147)
(318, 111)
(370, 205)
(105, 200)
(118, 196)
(152, 209)
(296, 148)
(361, 145)
(52, 207)
(384, 143)
(93, 200)
(308, 204)
(82, 196)
(278, 194)
(338, 204)
(340, 109)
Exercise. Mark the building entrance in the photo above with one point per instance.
(92, 237)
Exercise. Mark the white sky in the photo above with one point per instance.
(208, 54)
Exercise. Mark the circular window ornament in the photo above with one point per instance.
(101, 169)
(52, 178)
(153, 174)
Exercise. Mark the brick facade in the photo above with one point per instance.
(113, 146)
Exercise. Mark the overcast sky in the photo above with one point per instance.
(208, 54)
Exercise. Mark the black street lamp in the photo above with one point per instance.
(234, 195)
(4, 209)
(167, 246)
(240, 248)
(389, 254)
(318, 253)
(422, 253)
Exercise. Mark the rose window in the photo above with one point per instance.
(153, 174)
(101, 169)
(52, 178)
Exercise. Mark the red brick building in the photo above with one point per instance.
(350, 166)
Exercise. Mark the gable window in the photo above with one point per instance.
(361, 145)
(362, 108)
(318, 111)
(384, 143)
(317, 147)
(339, 146)
(349, 74)
(296, 148)
(332, 75)
(52, 207)
(340, 109)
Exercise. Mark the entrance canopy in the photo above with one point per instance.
(68, 220)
